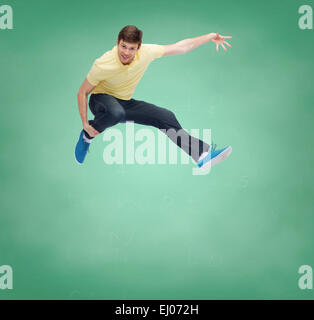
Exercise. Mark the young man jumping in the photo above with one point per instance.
(111, 82)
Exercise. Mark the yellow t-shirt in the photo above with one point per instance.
(111, 76)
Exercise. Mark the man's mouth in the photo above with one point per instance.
(124, 57)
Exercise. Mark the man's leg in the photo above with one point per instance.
(107, 110)
(145, 113)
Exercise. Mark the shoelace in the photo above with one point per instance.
(213, 146)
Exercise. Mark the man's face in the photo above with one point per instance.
(126, 51)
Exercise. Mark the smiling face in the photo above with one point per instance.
(127, 51)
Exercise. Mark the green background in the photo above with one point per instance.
(102, 231)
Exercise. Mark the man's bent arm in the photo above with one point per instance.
(187, 45)
(82, 98)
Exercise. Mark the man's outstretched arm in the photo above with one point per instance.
(187, 45)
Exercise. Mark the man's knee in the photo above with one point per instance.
(169, 120)
(117, 114)
(168, 114)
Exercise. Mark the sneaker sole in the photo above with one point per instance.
(222, 156)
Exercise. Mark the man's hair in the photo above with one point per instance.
(131, 34)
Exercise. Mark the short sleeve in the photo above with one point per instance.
(95, 75)
(154, 51)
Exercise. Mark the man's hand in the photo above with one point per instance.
(187, 45)
(220, 40)
(90, 130)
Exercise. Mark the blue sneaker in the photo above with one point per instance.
(213, 157)
(81, 149)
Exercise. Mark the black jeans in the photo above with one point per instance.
(109, 111)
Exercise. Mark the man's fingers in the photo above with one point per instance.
(217, 47)
(93, 130)
(229, 45)
(227, 37)
(223, 46)
(91, 133)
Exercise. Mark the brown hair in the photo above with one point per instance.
(131, 34)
